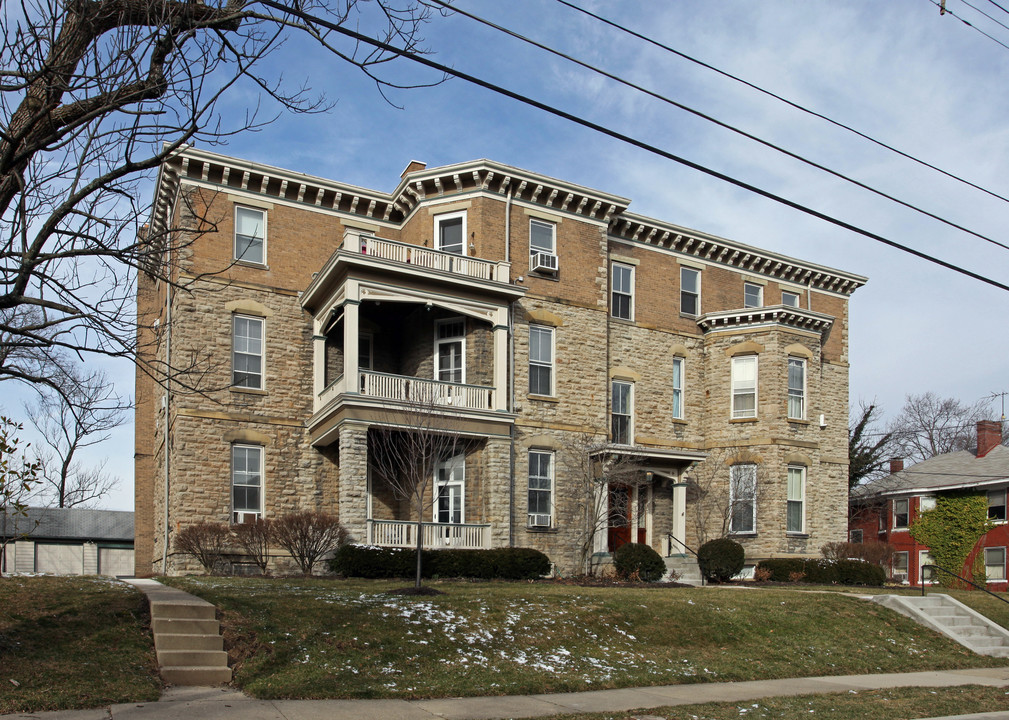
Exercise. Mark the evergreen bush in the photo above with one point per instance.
(824, 572)
(640, 561)
(497, 563)
(720, 560)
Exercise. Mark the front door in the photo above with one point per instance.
(451, 486)
(619, 516)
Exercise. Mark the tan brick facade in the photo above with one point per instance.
(350, 297)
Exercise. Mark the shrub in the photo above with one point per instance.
(761, 574)
(498, 563)
(877, 553)
(255, 538)
(205, 541)
(823, 572)
(640, 561)
(308, 535)
(720, 559)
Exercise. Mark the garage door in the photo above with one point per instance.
(115, 562)
(59, 559)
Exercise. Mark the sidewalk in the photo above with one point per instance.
(201, 703)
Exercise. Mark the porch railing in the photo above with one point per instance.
(428, 393)
(402, 533)
(426, 258)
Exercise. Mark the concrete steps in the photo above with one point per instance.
(187, 637)
(953, 619)
(686, 567)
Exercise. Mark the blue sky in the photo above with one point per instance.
(897, 71)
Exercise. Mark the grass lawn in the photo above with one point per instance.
(72, 642)
(332, 638)
(877, 704)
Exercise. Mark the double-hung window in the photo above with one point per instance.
(790, 299)
(996, 505)
(690, 291)
(901, 514)
(247, 352)
(622, 413)
(994, 564)
(246, 482)
(796, 388)
(622, 291)
(450, 232)
(250, 235)
(795, 504)
(753, 295)
(450, 350)
(743, 498)
(678, 388)
(542, 237)
(900, 567)
(450, 487)
(744, 387)
(541, 480)
(541, 360)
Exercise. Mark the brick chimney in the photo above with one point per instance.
(989, 436)
(896, 465)
(414, 166)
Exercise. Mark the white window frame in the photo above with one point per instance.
(998, 553)
(443, 218)
(926, 502)
(798, 473)
(538, 362)
(696, 293)
(679, 367)
(262, 239)
(629, 414)
(749, 288)
(925, 558)
(798, 395)
(735, 479)
(785, 294)
(534, 519)
(456, 467)
(543, 224)
(895, 566)
(235, 352)
(622, 291)
(439, 341)
(739, 390)
(236, 475)
(906, 513)
(1001, 493)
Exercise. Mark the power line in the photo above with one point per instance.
(785, 100)
(947, 11)
(333, 27)
(721, 124)
(982, 12)
(998, 6)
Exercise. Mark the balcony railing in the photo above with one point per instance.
(426, 258)
(421, 394)
(401, 533)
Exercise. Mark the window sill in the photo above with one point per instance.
(678, 421)
(540, 275)
(751, 534)
(541, 530)
(250, 264)
(250, 391)
(799, 421)
(796, 534)
(623, 321)
(743, 420)
(689, 316)
(543, 398)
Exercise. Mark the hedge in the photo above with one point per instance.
(497, 563)
(824, 572)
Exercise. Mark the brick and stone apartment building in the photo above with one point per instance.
(563, 338)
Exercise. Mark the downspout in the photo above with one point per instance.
(511, 380)
(168, 405)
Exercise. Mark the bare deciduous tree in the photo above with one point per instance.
(96, 94)
(81, 414)
(709, 492)
(254, 538)
(307, 536)
(929, 425)
(408, 452)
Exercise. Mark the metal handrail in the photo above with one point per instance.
(961, 577)
(679, 542)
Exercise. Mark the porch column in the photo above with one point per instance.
(679, 516)
(501, 361)
(351, 338)
(318, 362)
(354, 479)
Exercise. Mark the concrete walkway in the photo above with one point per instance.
(225, 703)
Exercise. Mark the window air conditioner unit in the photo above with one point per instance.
(543, 262)
(245, 517)
(537, 520)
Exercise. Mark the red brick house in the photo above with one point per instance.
(884, 510)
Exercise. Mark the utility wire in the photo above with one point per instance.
(721, 124)
(947, 11)
(998, 6)
(982, 12)
(311, 21)
(785, 100)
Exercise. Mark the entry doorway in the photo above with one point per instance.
(629, 515)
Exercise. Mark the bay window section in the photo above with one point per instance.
(744, 387)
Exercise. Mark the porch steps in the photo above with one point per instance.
(187, 636)
(686, 567)
(953, 619)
